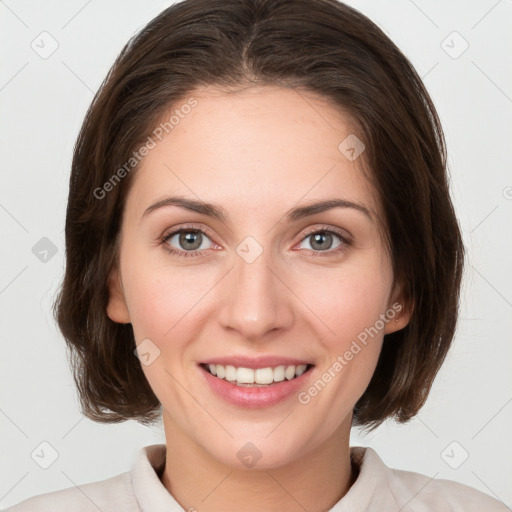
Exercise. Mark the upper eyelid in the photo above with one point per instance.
(329, 229)
(174, 231)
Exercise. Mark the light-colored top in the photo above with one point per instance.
(377, 488)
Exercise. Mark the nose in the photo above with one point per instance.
(256, 300)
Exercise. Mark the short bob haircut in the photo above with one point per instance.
(319, 46)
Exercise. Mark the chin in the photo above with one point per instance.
(260, 453)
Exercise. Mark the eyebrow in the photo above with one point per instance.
(217, 212)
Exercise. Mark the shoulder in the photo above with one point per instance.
(408, 491)
(113, 494)
(441, 494)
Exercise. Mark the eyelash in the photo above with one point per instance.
(346, 242)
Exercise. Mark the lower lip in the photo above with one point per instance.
(255, 397)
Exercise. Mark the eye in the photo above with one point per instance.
(321, 241)
(189, 241)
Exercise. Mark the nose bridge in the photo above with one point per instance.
(255, 302)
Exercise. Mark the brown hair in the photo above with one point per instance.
(321, 46)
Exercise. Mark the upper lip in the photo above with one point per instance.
(256, 362)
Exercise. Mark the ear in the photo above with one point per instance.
(402, 311)
(117, 310)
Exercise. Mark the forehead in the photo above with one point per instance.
(261, 148)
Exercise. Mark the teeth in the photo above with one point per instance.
(300, 370)
(260, 376)
(279, 374)
(221, 371)
(245, 375)
(264, 376)
(289, 373)
(230, 373)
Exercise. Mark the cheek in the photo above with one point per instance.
(163, 299)
(165, 308)
(153, 307)
(347, 301)
(347, 307)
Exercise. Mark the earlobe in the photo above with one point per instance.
(399, 322)
(117, 310)
(399, 313)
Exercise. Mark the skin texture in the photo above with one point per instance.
(257, 154)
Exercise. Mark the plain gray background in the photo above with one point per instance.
(44, 98)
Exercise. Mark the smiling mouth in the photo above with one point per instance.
(261, 377)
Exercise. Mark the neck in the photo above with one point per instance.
(314, 482)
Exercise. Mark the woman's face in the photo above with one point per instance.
(310, 288)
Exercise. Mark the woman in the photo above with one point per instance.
(262, 250)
